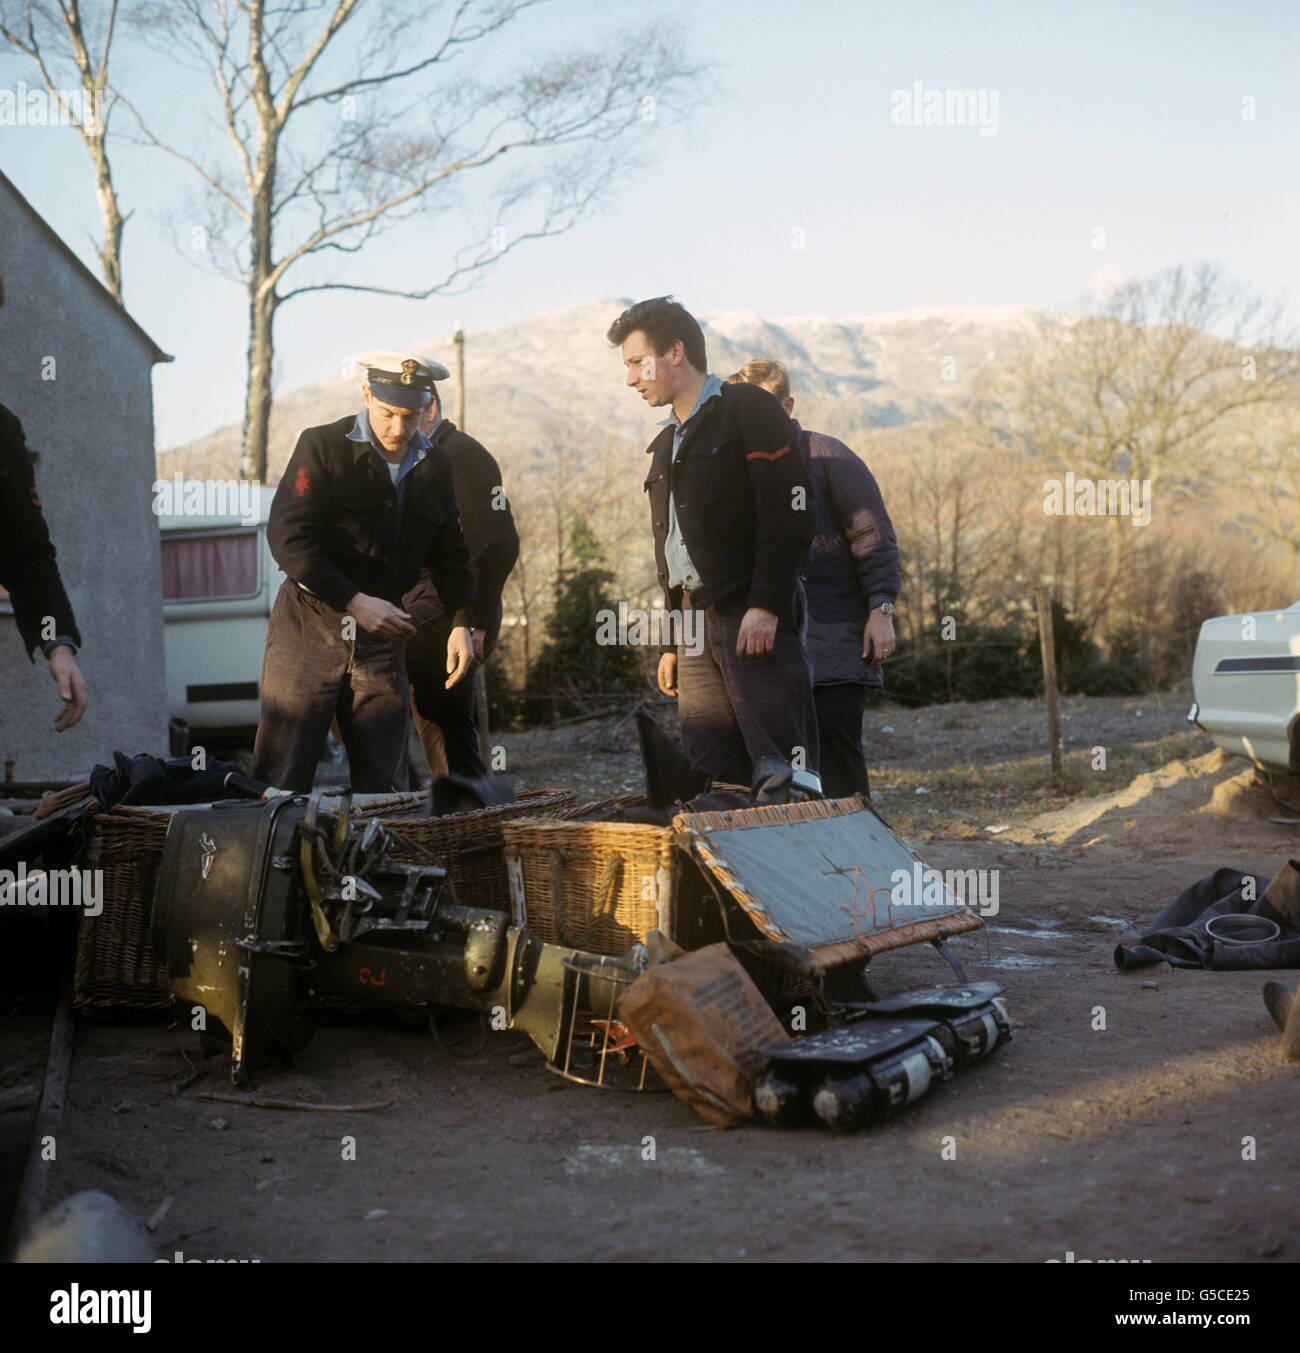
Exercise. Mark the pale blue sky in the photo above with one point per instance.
(1119, 115)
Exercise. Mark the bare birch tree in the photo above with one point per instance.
(51, 37)
(346, 118)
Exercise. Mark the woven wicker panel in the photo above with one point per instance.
(600, 805)
(390, 805)
(591, 885)
(584, 810)
(116, 968)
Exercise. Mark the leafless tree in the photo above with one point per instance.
(947, 496)
(1148, 387)
(1260, 483)
(348, 117)
(52, 36)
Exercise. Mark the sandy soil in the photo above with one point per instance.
(1130, 1141)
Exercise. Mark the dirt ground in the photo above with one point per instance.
(1168, 1135)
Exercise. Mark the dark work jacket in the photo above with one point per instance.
(1178, 936)
(489, 530)
(734, 484)
(334, 516)
(853, 561)
(28, 571)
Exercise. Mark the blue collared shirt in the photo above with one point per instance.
(681, 572)
(416, 451)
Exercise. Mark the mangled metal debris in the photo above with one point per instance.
(263, 912)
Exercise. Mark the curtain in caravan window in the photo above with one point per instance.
(195, 567)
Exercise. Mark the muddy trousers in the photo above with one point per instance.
(735, 711)
(444, 719)
(310, 674)
(840, 708)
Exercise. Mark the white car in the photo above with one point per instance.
(1246, 686)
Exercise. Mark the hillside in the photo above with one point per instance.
(528, 383)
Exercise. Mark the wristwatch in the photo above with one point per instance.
(885, 608)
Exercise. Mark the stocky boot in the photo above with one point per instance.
(1285, 1009)
(1278, 997)
(1283, 895)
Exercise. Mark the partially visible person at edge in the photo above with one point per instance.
(727, 493)
(364, 504)
(444, 718)
(30, 574)
(852, 578)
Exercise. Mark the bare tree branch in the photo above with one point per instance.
(399, 143)
(91, 120)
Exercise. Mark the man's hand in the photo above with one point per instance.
(757, 633)
(460, 655)
(878, 638)
(479, 636)
(377, 616)
(668, 673)
(72, 688)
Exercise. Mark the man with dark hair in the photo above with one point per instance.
(852, 577)
(732, 522)
(444, 718)
(364, 504)
(29, 573)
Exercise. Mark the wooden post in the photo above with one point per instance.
(458, 342)
(480, 675)
(1043, 594)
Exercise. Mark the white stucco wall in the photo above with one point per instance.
(92, 426)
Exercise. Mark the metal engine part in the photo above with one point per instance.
(262, 910)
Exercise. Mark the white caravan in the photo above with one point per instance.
(219, 582)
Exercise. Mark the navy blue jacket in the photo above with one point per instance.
(334, 518)
(853, 561)
(490, 536)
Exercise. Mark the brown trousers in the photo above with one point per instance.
(310, 674)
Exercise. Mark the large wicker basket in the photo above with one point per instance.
(598, 886)
(604, 885)
(116, 968)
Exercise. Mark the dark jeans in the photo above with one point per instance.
(736, 710)
(444, 718)
(840, 708)
(310, 673)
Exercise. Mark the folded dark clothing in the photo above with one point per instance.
(148, 779)
(1178, 936)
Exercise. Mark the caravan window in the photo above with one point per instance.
(201, 568)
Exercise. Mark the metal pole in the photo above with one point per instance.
(458, 342)
(480, 676)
